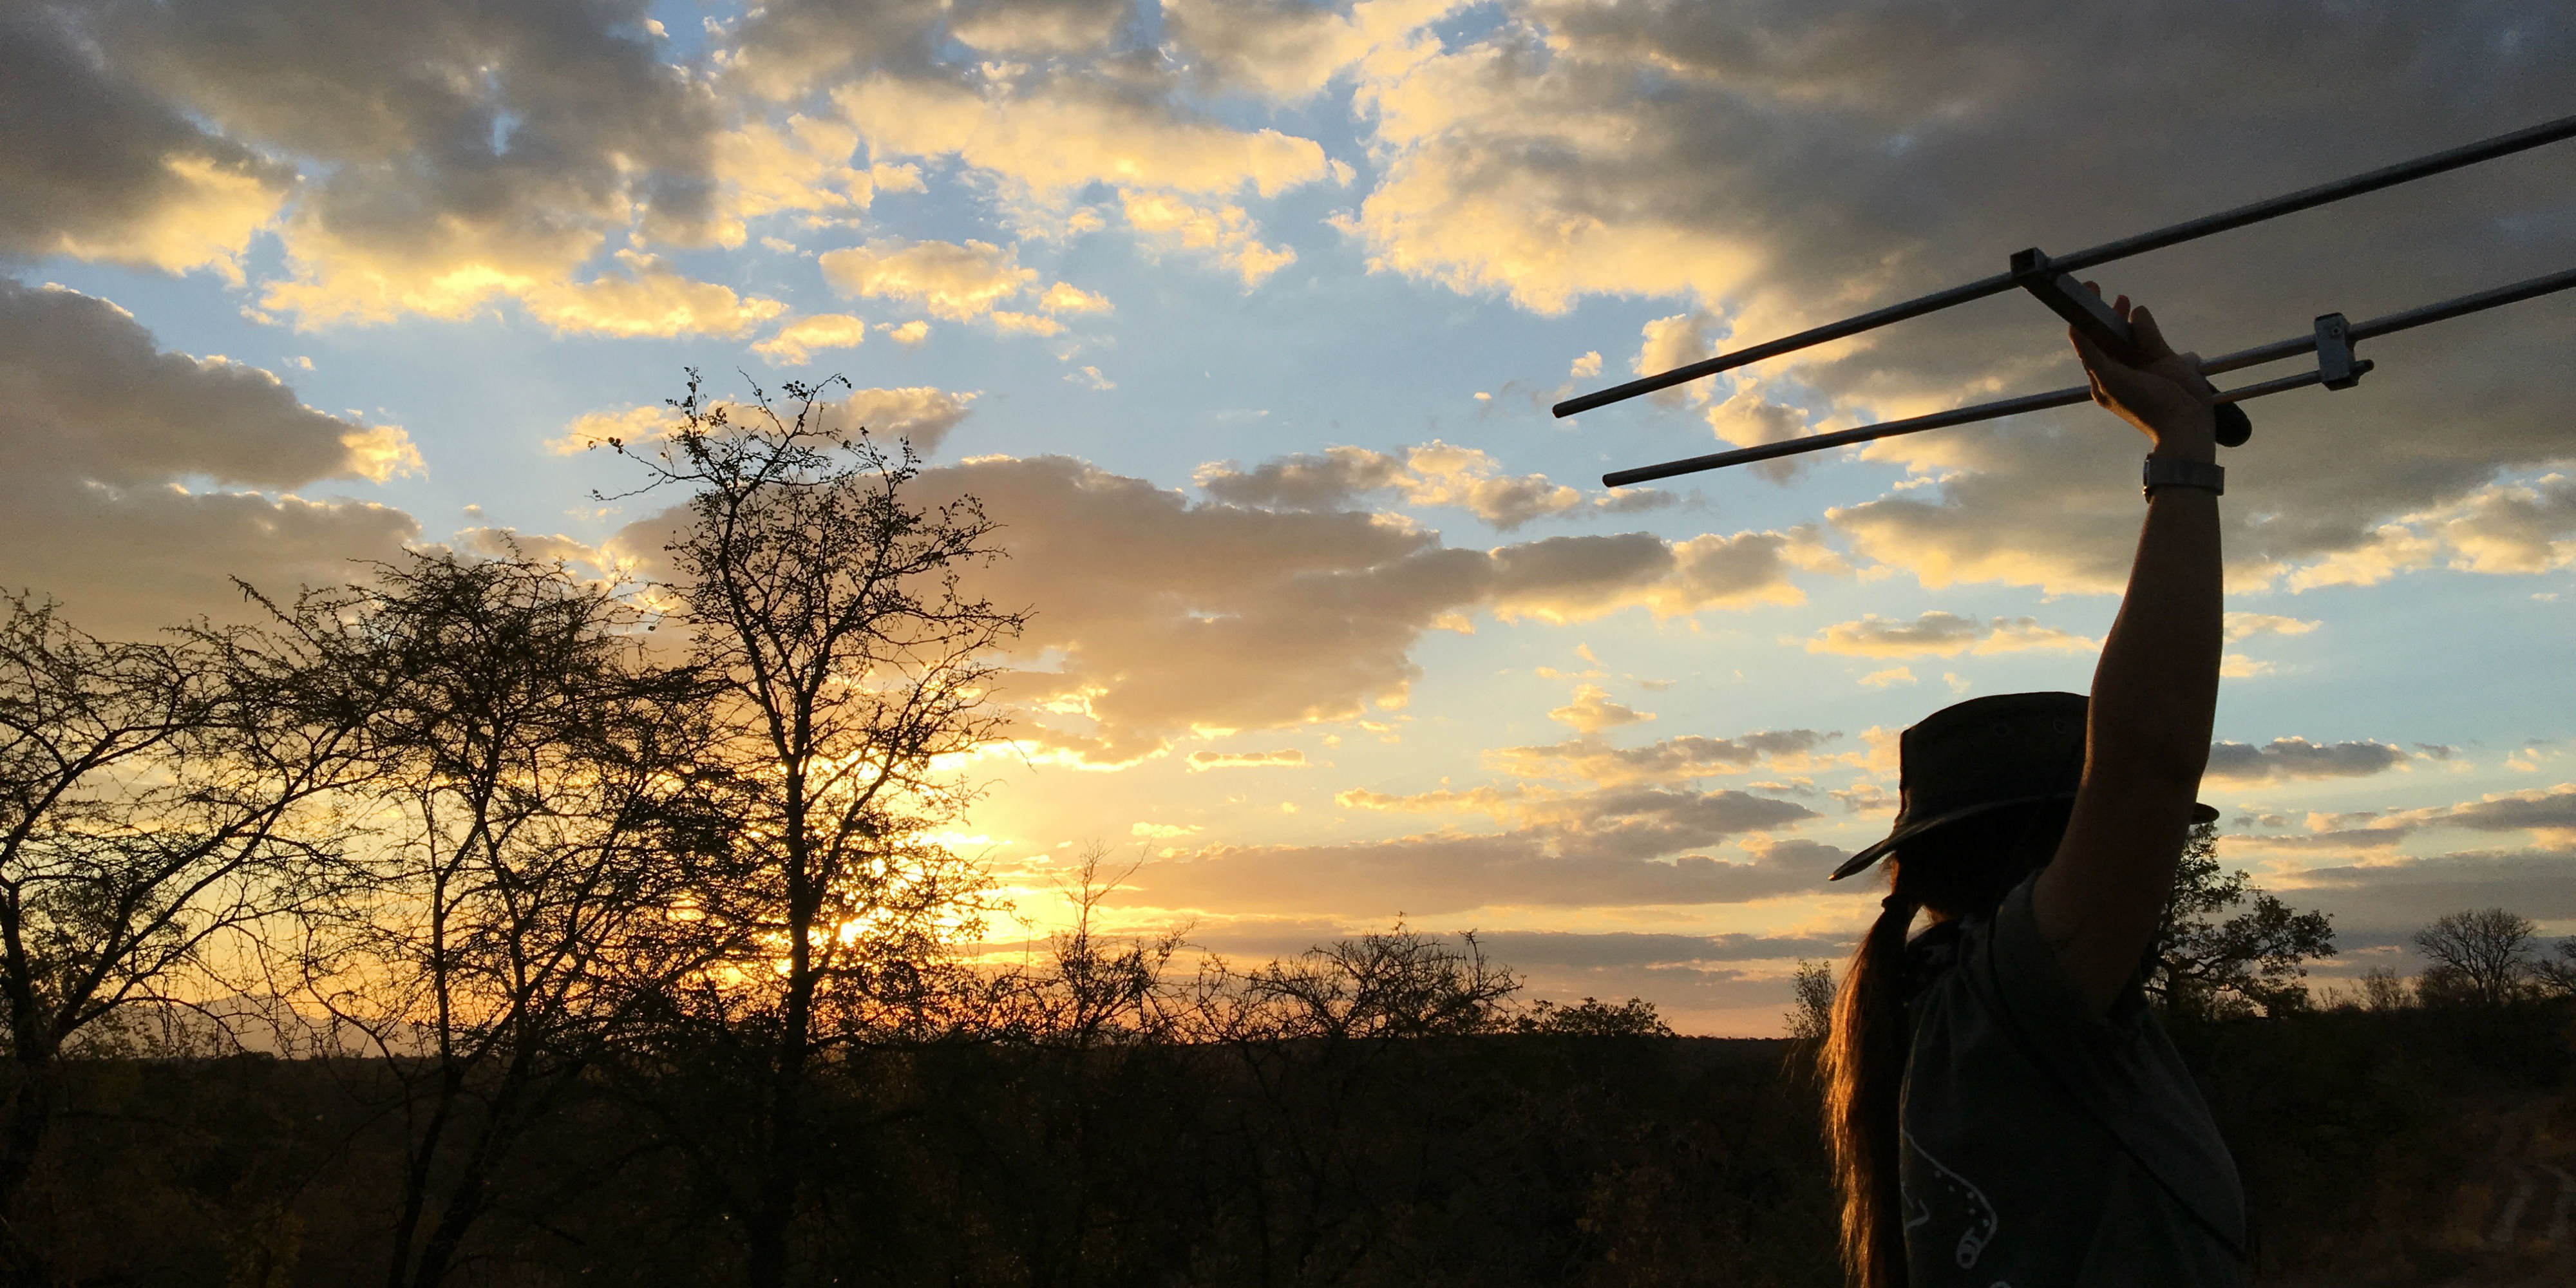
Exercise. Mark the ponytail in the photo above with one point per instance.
(1864, 1067)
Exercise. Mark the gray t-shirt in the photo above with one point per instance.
(2048, 1145)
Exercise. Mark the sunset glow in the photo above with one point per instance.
(1242, 320)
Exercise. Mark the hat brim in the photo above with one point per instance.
(2199, 814)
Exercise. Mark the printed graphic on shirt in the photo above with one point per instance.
(1951, 1202)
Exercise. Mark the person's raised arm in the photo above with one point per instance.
(2155, 691)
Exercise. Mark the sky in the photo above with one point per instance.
(1242, 318)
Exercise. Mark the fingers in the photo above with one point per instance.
(2193, 379)
(2094, 358)
(2150, 337)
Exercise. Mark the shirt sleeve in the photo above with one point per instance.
(2119, 1068)
(2059, 1023)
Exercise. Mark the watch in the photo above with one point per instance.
(2173, 473)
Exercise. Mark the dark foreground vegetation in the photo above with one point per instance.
(2380, 1147)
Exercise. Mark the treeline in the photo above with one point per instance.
(1377, 1112)
(1274, 1136)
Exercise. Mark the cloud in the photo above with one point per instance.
(1939, 634)
(1672, 760)
(1039, 26)
(2401, 894)
(450, 154)
(1284, 758)
(1521, 949)
(510, 543)
(795, 342)
(1891, 676)
(788, 49)
(1592, 711)
(96, 167)
(2550, 813)
(917, 414)
(1065, 133)
(1750, 419)
(2512, 527)
(801, 165)
(1224, 232)
(1433, 473)
(1282, 50)
(1044, 139)
(1329, 480)
(2241, 626)
(2298, 758)
(140, 480)
(1672, 342)
(1007, 322)
(649, 299)
(1065, 297)
(2547, 814)
(1158, 619)
(1598, 852)
(958, 282)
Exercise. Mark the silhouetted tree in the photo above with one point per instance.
(520, 904)
(2205, 965)
(2555, 970)
(1093, 987)
(1399, 983)
(1811, 1010)
(843, 662)
(2480, 956)
(154, 799)
(1593, 1018)
(2383, 989)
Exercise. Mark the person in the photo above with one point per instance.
(2003, 1107)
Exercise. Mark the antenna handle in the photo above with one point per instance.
(2086, 312)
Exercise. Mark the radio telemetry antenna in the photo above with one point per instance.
(2050, 279)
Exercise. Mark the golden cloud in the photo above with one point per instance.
(954, 281)
(1066, 135)
(795, 342)
(1939, 634)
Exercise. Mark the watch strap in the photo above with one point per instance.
(2206, 475)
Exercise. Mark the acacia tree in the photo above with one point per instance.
(2485, 954)
(1401, 983)
(2207, 963)
(522, 903)
(155, 798)
(842, 661)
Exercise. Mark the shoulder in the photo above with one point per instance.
(2030, 980)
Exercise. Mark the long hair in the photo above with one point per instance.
(1963, 869)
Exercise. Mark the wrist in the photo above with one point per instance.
(2200, 448)
(2167, 472)
(2187, 436)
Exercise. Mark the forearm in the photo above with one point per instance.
(2155, 695)
(2155, 692)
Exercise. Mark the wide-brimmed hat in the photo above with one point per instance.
(1983, 755)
